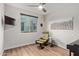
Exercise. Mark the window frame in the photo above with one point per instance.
(29, 24)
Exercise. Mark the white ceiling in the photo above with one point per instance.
(35, 8)
(49, 6)
(25, 6)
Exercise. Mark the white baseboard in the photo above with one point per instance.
(19, 45)
(62, 45)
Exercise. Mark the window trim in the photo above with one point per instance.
(30, 16)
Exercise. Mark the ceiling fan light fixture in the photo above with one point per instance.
(40, 7)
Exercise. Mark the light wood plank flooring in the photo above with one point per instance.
(33, 50)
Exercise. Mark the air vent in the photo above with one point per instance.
(9, 20)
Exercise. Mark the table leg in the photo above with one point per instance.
(69, 53)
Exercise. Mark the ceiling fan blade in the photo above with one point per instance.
(44, 10)
(32, 5)
(43, 3)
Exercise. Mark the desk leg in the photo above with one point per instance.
(69, 53)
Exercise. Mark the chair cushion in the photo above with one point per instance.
(44, 38)
(42, 41)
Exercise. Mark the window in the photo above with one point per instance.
(63, 25)
(28, 23)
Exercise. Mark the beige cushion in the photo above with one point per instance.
(44, 38)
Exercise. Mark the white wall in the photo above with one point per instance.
(57, 12)
(60, 12)
(13, 36)
(1, 27)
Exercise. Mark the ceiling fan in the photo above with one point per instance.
(40, 6)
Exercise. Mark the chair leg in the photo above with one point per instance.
(41, 46)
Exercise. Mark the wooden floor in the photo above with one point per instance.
(33, 50)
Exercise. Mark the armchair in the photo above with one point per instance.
(42, 41)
